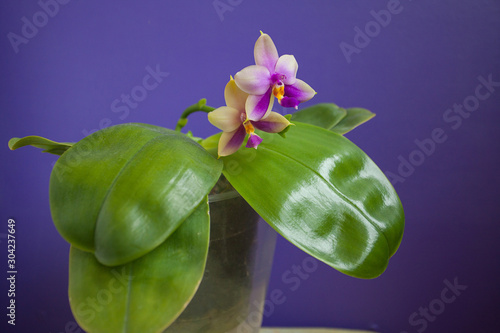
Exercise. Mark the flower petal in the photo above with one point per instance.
(289, 102)
(253, 141)
(225, 118)
(230, 142)
(234, 96)
(300, 91)
(254, 80)
(273, 123)
(287, 66)
(259, 106)
(265, 52)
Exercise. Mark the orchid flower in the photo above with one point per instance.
(233, 120)
(271, 75)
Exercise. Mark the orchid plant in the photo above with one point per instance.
(131, 199)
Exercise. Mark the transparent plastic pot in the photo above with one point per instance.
(232, 293)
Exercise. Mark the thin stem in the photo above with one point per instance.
(200, 106)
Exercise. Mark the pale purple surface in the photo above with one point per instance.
(64, 82)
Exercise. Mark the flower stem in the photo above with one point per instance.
(200, 106)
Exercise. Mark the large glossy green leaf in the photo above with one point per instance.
(48, 146)
(331, 117)
(122, 191)
(323, 194)
(145, 295)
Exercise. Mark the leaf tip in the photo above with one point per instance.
(12, 143)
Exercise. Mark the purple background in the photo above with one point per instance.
(62, 83)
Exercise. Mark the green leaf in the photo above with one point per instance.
(354, 118)
(212, 141)
(121, 191)
(325, 115)
(331, 117)
(147, 294)
(323, 194)
(196, 139)
(48, 146)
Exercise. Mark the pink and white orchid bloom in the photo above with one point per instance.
(271, 75)
(232, 119)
